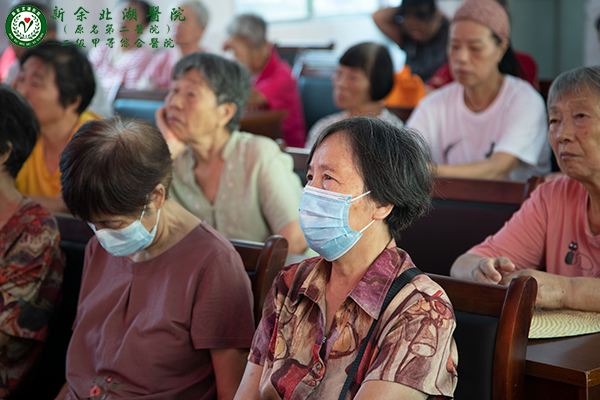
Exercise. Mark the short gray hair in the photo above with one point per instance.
(229, 80)
(198, 8)
(250, 26)
(575, 81)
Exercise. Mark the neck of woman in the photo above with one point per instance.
(480, 96)
(349, 269)
(56, 134)
(368, 109)
(210, 147)
(593, 210)
(10, 198)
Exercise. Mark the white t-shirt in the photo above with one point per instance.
(320, 125)
(515, 123)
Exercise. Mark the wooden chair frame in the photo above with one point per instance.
(262, 262)
(485, 191)
(513, 305)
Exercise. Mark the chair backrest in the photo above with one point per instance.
(300, 157)
(492, 327)
(316, 90)
(262, 263)
(292, 53)
(263, 122)
(137, 108)
(464, 212)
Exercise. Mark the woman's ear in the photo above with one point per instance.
(159, 195)
(383, 211)
(226, 112)
(504, 43)
(74, 105)
(4, 157)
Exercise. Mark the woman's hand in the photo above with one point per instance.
(176, 145)
(482, 269)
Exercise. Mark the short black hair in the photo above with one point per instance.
(394, 163)
(73, 71)
(19, 129)
(229, 80)
(420, 9)
(374, 59)
(597, 24)
(110, 167)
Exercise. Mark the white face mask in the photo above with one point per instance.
(324, 222)
(128, 240)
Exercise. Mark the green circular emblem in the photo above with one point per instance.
(26, 26)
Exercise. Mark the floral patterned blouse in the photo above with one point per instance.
(31, 271)
(412, 343)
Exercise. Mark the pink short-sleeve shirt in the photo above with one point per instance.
(145, 329)
(550, 225)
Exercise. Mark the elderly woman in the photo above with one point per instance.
(153, 277)
(273, 86)
(367, 180)
(59, 83)
(189, 30)
(558, 228)
(240, 184)
(363, 78)
(31, 264)
(488, 124)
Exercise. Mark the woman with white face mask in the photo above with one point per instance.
(367, 180)
(153, 277)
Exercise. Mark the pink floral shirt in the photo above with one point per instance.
(412, 344)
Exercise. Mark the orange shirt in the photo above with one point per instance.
(407, 91)
(34, 178)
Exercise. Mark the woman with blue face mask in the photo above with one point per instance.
(367, 180)
(165, 308)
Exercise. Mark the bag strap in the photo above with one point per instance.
(398, 284)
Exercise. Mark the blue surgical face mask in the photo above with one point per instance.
(324, 221)
(128, 240)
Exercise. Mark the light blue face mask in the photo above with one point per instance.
(324, 221)
(128, 240)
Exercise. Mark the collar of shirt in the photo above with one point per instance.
(270, 68)
(370, 291)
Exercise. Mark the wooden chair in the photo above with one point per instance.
(485, 191)
(293, 53)
(262, 262)
(300, 157)
(491, 335)
(263, 122)
(464, 212)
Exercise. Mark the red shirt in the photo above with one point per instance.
(276, 83)
(443, 76)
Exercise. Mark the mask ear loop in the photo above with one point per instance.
(363, 229)
(362, 195)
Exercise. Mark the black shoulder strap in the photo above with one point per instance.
(398, 284)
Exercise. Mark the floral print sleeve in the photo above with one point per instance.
(31, 269)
